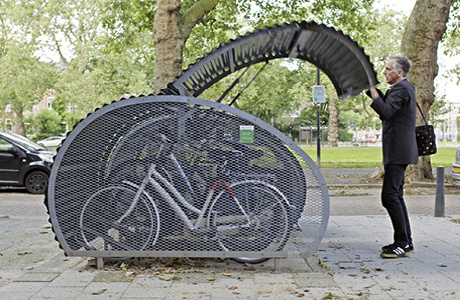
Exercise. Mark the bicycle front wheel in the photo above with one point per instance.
(250, 216)
(105, 224)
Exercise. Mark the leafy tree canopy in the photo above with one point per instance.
(106, 48)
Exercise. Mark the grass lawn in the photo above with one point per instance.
(368, 157)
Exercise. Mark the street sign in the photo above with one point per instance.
(319, 94)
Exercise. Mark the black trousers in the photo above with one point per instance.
(393, 201)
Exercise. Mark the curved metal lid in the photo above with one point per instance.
(336, 54)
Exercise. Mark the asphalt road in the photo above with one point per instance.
(17, 203)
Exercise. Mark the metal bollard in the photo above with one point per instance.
(440, 206)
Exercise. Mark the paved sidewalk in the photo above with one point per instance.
(352, 247)
(35, 268)
(346, 266)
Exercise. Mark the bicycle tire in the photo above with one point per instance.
(266, 207)
(98, 220)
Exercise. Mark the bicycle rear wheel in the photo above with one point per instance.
(252, 217)
(100, 225)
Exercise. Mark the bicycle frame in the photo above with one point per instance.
(154, 178)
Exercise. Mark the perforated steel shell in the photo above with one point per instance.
(175, 176)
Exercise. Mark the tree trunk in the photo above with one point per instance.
(424, 30)
(170, 32)
(333, 131)
(18, 124)
(169, 43)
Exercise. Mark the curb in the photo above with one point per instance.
(378, 185)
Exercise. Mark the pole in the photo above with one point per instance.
(440, 205)
(318, 147)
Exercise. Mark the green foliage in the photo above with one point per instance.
(269, 96)
(457, 120)
(368, 157)
(105, 78)
(345, 136)
(72, 118)
(218, 27)
(29, 126)
(48, 122)
(132, 16)
(348, 15)
(451, 39)
(128, 33)
(438, 110)
(23, 78)
(384, 38)
(309, 116)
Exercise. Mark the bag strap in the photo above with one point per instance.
(426, 123)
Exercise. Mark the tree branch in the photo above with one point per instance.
(194, 14)
(62, 58)
(365, 107)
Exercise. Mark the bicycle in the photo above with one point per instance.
(237, 215)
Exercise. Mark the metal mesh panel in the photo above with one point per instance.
(169, 176)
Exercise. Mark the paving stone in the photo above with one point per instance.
(37, 277)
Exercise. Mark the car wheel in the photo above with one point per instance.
(36, 182)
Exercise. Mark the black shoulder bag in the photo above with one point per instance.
(426, 139)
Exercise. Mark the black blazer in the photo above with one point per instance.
(397, 110)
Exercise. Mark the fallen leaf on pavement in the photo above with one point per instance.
(325, 265)
(330, 296)
(165, 278)
(99, 292)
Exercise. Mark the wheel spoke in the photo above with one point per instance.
(99, 218)
(268, 228)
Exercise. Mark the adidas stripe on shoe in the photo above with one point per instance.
(409, 248)
(393, 251)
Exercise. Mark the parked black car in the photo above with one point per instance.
(24, 163)
(456, 165)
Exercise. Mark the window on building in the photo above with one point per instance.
(9, 124)
(49, 102)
